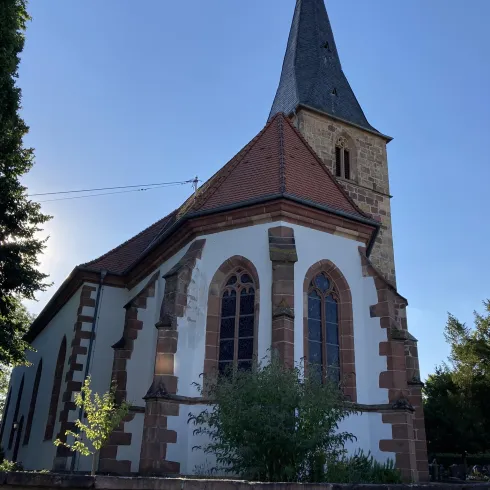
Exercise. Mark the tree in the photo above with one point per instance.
(456, 396)
(103, 416)
(453, 417)
(20, 218)
(273, 424)
(470, 347)
(23, 319)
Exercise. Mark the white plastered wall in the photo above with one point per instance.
(39, 454)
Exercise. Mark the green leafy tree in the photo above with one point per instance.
(470, 347)
(273, 424)
(456, 395)
(454, 419)
(24, 319)
(102, 414)
(20, 218)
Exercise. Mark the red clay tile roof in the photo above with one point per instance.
(278, 161)
(122, 257)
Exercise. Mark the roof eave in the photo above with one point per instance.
(323, 113)
(251, 202)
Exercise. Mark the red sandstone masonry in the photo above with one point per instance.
(283, 255)
(401, 379)
(346, 323)
(123, 351)
(156, 436)
(76, 362)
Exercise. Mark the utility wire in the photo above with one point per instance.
(111, 188)
(116, 192)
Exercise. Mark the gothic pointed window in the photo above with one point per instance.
(237, 322)
(16, 413)
(32, 406)
(5, 414)
(55, 392)
(342, 159)
(323, 329)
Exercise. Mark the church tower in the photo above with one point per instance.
(314, 92)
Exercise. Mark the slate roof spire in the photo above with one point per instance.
(312, 74)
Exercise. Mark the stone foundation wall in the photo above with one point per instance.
(31, 481)
(369, 185)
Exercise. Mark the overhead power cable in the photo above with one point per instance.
(154, 186)
(112, 188)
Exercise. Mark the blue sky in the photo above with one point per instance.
(121, 92)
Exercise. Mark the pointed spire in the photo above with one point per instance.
(312, 74)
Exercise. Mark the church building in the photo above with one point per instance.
(287, 247)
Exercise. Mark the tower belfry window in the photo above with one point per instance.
(342, 159)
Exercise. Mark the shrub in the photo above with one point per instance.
(103, 415)
(361, 468)
(273, 424)
(9, 466)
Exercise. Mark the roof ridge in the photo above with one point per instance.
(214, 182)
(328, 172)
(282, 158)
(132, 239)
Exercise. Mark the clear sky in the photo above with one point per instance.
(122, 92)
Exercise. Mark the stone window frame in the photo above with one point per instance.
(56, 390)
(213, 319)
(331, 291)
(16, 413)
(5, 413)
(345, 322)
(238, 286)
(32, 406)
(345, 143)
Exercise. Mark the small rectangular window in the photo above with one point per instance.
(338, 162)
(346, 164)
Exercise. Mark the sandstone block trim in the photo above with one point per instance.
(123, 351)
(401, 379)
(346, 322)
(156, 436)
(283, 255)
(76, 362)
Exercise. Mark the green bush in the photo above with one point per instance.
(361, 468)
(9, 466)
(273, 424)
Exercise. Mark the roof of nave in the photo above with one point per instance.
(277, 162)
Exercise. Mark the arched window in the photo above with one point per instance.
(342, 159)
(55, 393)
(328, 335)
(237, 322)
(323, 328)
(5, 415)
(16, 413)
(17, 439)
(32, 406)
